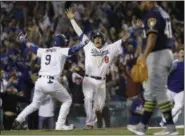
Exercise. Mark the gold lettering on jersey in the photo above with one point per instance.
(152, 22)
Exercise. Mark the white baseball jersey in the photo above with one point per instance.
(97, 61)
(52, 60)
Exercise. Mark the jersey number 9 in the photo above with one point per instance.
(48, 59)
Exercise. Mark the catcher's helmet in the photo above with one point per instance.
(98, 34)
(59, 40)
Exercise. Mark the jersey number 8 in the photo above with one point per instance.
(106, 59)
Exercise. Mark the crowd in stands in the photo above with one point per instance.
(42, 20)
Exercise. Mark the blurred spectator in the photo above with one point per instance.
(4, 84)
(10, 99)
(75, 85)
(75, 78)
(105, 116)
(1, 116)
(46, 114)
(136, 110)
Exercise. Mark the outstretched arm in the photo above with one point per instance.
(21, 37)
(75, 26)
(136, 26)
(74, 49)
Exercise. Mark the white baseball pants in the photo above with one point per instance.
(42, 89)
(178, 99)
(94, 97)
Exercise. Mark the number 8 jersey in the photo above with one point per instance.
(98, 60)
(52, 60)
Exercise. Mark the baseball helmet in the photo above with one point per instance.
(59, 40)
(98, 34)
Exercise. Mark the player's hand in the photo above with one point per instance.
(141, 59)
(70, 13)
(21, 36)
(137, 24)
(126, 37)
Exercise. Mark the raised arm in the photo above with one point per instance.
(121, 44)
(74, 49)
(136, 26)
(75, 26)
(21, 37)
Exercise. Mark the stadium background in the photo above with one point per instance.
(43, 19)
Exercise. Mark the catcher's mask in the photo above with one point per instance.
(59, 40)
(98, 34)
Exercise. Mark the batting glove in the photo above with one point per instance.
(21, 37)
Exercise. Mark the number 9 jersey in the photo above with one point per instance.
(52, 60)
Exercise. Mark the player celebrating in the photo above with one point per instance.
(176, 86)
(158, 58)
(48, 83)
(98, 58)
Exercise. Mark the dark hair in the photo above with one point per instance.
(95, 34)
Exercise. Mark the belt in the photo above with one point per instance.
(49, 77)
(95, 77)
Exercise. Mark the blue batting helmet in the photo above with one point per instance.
(59, 40)
(98, 34)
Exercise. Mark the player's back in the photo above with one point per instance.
(52, 60)
(158, 21)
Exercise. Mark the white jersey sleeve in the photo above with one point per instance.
(40, 52)
(116, 47)
(84, 38)
(81, 35)
(64, 51)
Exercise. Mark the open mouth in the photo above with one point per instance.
(97, 42)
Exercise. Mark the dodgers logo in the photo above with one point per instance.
(95, 52)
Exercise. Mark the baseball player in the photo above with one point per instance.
(176, 86)
(158, 58)
(48, 83)
(98, 58)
